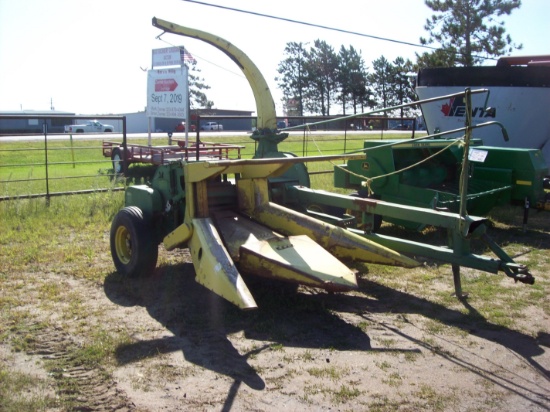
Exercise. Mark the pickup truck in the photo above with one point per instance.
(212, 126)
(89, 127)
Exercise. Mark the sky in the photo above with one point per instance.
(89, 57)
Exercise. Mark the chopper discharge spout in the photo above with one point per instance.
(265, 106)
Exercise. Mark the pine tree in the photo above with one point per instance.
(470, 29)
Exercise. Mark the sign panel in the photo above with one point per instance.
(167, 93)
(477, 155)
(169, 56)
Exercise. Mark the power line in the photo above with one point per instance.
(269, 16)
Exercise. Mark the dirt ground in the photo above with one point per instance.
(379, 349)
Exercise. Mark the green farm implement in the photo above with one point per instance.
(426, 173)
(243, 218)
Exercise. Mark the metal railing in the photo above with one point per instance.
(44, 165)
(39, 168)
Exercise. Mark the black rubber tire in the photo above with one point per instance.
(80, 131)
(118, 161)
(133, 249)
(108, 131)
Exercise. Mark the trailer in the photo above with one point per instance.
(123, 154)
(519, 92)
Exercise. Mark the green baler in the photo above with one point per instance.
(426, 173)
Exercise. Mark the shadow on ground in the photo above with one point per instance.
(201, 322)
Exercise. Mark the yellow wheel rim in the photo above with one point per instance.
(123, 245)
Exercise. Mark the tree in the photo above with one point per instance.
(470, 27)
(293, 81)
(381, 80)
(322, 69)
(197, 97)
(438, 58)
(402, 89)
(352, 78)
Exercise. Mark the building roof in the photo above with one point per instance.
(35, 112)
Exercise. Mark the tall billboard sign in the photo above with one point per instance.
(167, 93)
(167, 85)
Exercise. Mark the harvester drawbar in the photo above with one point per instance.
(250, 217)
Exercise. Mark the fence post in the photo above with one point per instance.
(125, 146)
(345, 135)
(72, 149)
(198, 128)
(45, 128)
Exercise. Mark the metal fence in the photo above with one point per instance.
(43, 165)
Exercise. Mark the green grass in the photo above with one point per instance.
(329, 372)
(23, 167)
(80, 164)
(429, 398)
(22, 392)
(345, 394)
(70, 237)
(35, 237)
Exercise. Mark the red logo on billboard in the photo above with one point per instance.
(165, 85)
